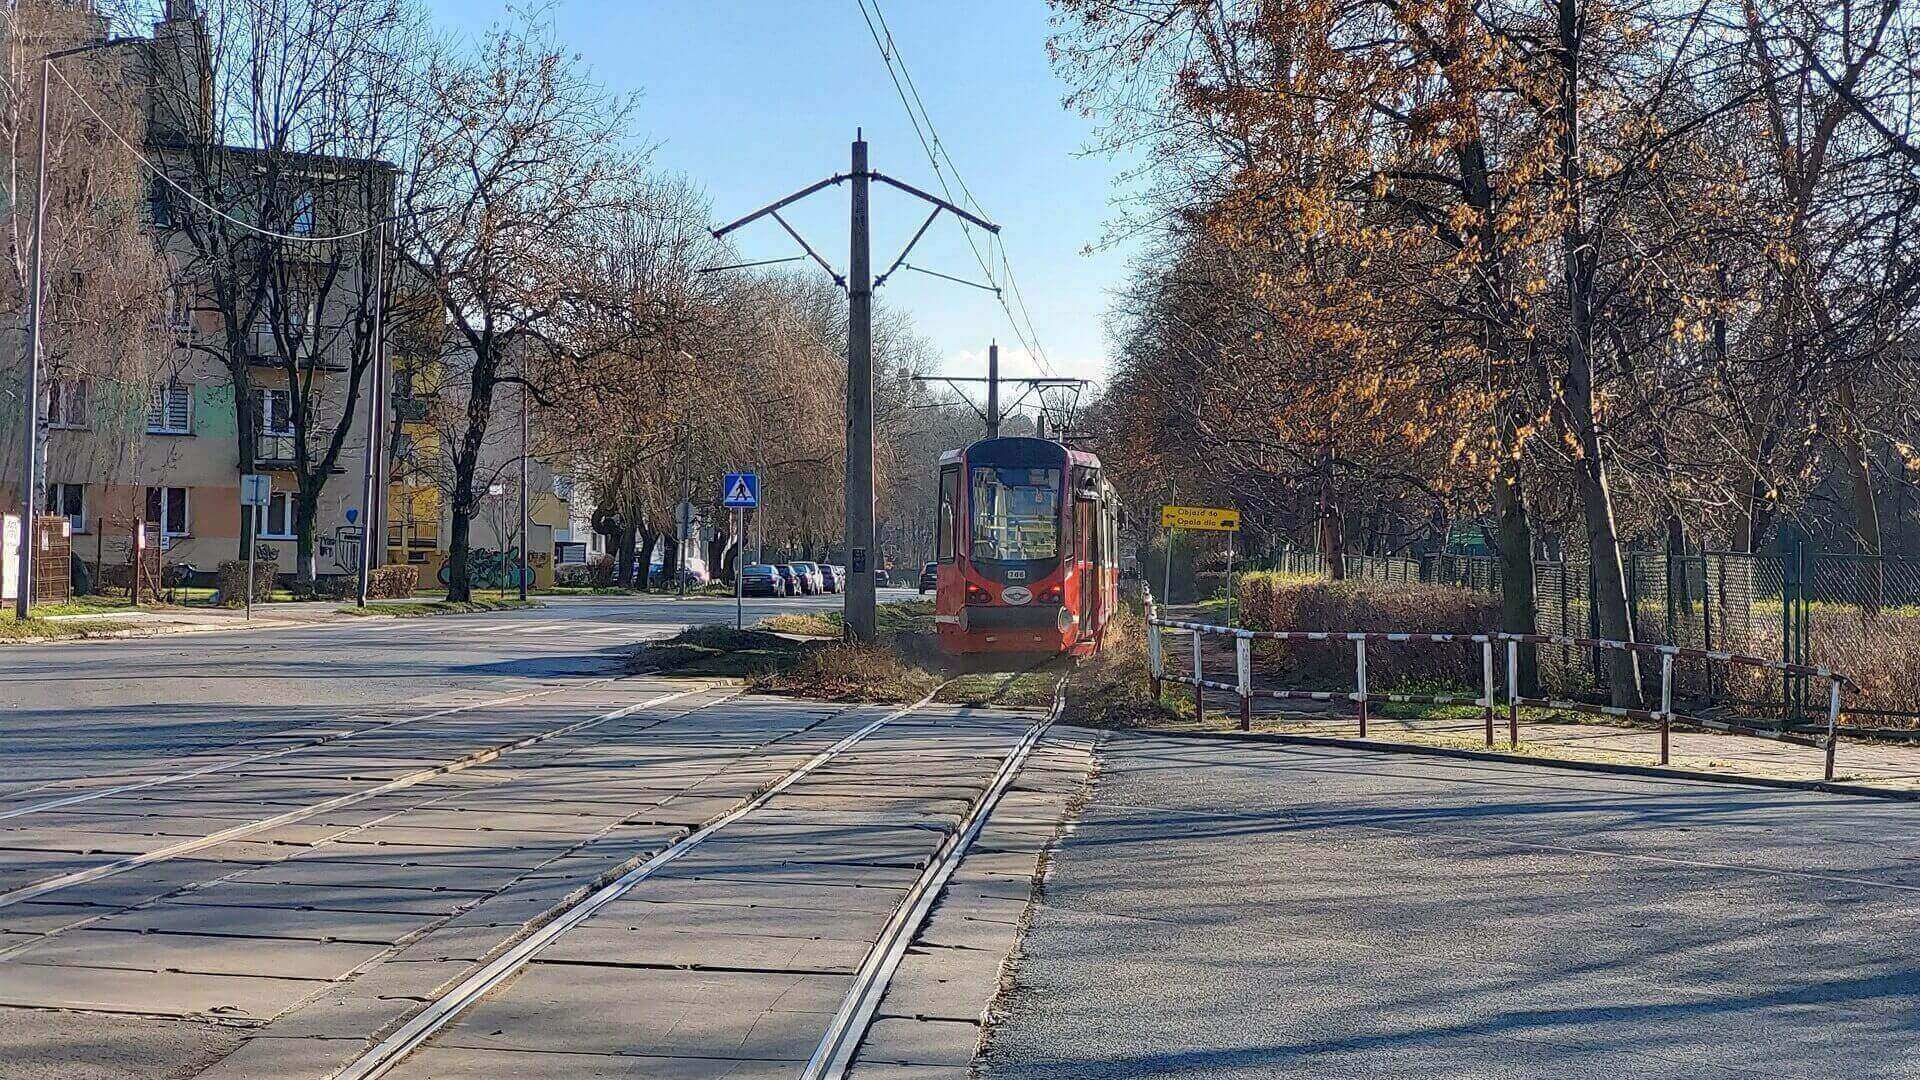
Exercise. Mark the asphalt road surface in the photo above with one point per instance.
(1226, 911)
(86, 707)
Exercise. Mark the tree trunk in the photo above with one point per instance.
(459, 550)
(643, 560)
(1853, 447)
(1580, 262)
(623, 556)
(1332, 540)
(305, 512)
(245, 428)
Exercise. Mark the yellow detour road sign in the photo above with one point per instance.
(1199, 517)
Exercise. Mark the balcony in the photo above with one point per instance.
(264, 351)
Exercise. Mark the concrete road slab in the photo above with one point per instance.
(148, 993)
(895, 1040)
(369, 898)
(567, 1007)
(442, 1063)
(38, 918)
(288, 958)
(380, 928)
(944, 984)
(38, 1044)
(882, 1071)
(765, 919)
(670, 945)
(319, 870)
(771, 892)
(267, 1057)
(374, 848)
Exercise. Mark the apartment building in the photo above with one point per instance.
(170, 453)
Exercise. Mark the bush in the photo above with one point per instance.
(329, 587)
(231, 581)
(1276, 601)
(393, 582)
(595, 573)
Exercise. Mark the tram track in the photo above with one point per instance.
(843, 1035)
(56, 883)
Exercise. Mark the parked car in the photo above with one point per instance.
(929, 577)
(882, 579)
(810, 573)
(832, 577)
(760, 579)
(803, 579)
(789, 580)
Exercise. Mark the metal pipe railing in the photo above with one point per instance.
(1362, 696)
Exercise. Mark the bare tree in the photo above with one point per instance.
(518, 153)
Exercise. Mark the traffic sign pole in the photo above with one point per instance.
(740, 492)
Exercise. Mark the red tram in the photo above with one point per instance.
(1027, 543)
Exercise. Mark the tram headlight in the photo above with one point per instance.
(1064, 621)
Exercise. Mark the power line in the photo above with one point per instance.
(195, 199)
(930, 142)
(940, 147)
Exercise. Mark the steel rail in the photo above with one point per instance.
(269, 755)
(835, 1053)
(245, 829)
(378, 1059)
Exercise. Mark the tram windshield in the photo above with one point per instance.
(1016, 513)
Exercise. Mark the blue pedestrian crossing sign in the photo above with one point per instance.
(740, 491)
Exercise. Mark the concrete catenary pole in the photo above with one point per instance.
(858, 608)
(993, 390)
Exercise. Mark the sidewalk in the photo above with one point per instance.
(1550, 735)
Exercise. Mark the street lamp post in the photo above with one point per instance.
(30, 478)
(526, 536)
(377, 401)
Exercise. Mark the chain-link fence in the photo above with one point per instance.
(1853, 613)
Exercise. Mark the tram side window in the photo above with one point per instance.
(949, 495)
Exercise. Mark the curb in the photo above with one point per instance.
(175, 630)
(1608, 767)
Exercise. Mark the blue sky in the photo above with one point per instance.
(755, 98)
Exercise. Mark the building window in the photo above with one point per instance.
(276, 518)
(170, 409)
(167, 506)
(273, 411)
(303, 214)
(273, 426)
(70, 501)
(66, 403)
(160, 202)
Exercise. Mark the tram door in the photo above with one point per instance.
(1086, 541)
